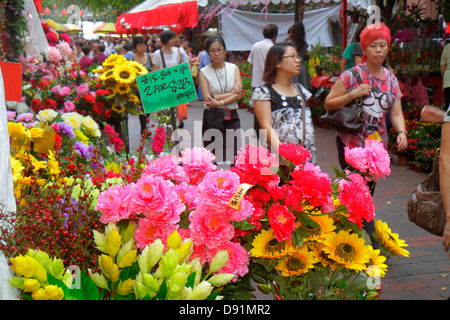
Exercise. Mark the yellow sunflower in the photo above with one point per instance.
(322, 256)
(107, 74)
(389, 241)
(376, 265)
(124, 74)
(17, 168)
(18, 131)
(266, 245)
(297, 263)
(133, 98)
(121, 88)
(347, 249)
(53, 164)
(138, 68)
(118, 108)
(114, 60)
(325, 227)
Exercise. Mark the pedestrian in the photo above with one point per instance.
(165, 57)
(380, 91)
(352, 54)
(128, 50)
(100, 56)
(279, 102)
(221, 86)
(445, 72)
(444, 177)
(297, 35)
(144, 58)
(85, 61)
(258, 53)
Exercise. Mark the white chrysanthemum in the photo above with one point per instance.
(91, 127)
(47, 115)
(73, 118)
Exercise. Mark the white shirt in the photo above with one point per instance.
(257, 58)
(171, 60)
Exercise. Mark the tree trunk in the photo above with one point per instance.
(299, 10)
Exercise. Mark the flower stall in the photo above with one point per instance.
(424, 140)
(175, 227)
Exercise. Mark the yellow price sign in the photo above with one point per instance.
(236, 199)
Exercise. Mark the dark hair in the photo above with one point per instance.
(215, 38)
(138, 40)
(127, 47)
(86, 50)
(270, 31)
(101, 48)
(297, 36)
(272, 59)
(166, 35)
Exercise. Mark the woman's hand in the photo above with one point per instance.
(237, 89)
(362, 91)
(213, 103)
(402, 141)
(446, 237)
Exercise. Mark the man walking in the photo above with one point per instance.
(258, 52)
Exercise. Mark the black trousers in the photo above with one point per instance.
(219, 148)
(447, 97)
(369, 227)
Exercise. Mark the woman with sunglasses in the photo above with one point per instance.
(279, 102)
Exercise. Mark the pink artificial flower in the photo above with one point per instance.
(69, 106)
(219, 185)
(238, 259)
(210, 227)
(82, 89)
(188, 195)
(65, 49)
(355, 194)
(170, 214)
(53, 54)
(255, 165)
(147, 232)
(64, 91)
(313, 184)
(372, 159)
(55, 88)
(11, 115)
(168, 167)
(114, 203)
(151, 194)
(25, 117)
(197, 162)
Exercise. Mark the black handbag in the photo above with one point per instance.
(425, 207)
(349, 118)
(213, 118)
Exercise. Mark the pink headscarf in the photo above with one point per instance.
(374, 32)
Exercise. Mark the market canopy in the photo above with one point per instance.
(106, 27)
(154, 14)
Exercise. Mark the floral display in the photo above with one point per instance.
(424, 140)
(151, 230)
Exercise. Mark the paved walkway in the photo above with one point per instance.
(425, 275)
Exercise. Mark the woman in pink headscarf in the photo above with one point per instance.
(380, 91)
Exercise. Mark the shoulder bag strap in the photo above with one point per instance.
(357, 76)
(303, 112)
(162, 58)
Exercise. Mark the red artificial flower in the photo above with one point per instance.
(295, 153)
(107, 114)
(282, 221)
(49, 104)
(34, 83)
(43, 84)
(98, 107)
(102, 92)
(313, 185)
(89, 98)
(58, 142)
(36, 105)
(355, 194)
